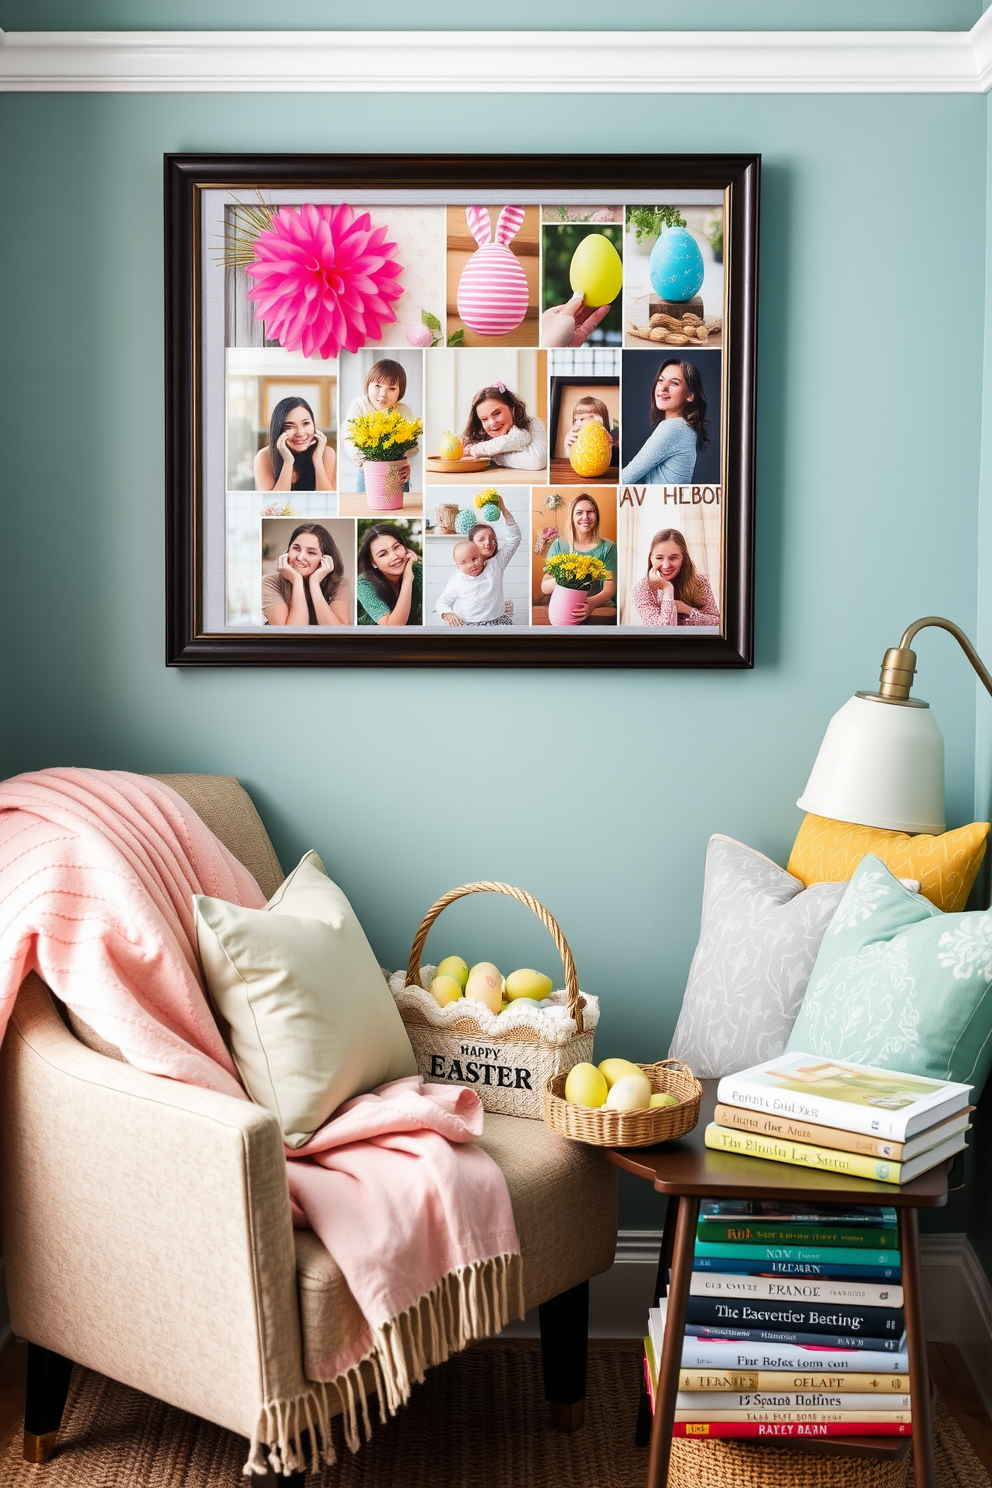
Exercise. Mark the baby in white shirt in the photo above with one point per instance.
(474, 595)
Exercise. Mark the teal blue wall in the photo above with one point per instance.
(597, 791)
(704, 15)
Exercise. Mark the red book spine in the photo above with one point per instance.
(700, 1430)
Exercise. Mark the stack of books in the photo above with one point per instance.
(836, 1117)
(794, 1325)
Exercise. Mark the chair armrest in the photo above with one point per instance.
(146, 1224)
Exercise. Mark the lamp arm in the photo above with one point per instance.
(899, 663)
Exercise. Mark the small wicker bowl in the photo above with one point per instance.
(605, 1128)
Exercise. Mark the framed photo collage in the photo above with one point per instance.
(410, 422)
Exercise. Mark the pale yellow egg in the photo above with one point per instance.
(490, 968)
(445, 989)
(454, 966)
(614, 1069)
(483, 987)
(629, 1093)
(585, 1086)
(527, 983)
(664, 1099)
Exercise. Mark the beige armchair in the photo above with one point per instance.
(146, 1224)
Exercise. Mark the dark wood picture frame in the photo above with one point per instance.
(187, 176)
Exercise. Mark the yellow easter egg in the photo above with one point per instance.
(629, 1093)
(527, 983)
(450, 447)
(453, 966)
(664, 1099)
(585, 1086)
(483, 987)
(613, 1070)
(445, 989)
(592, 451)
(596, 271)
(488, 966)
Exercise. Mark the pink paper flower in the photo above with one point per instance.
(324, 279)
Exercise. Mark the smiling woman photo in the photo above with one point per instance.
(309, 585)
(583, 536)
(297, 456)
(390, 578)
(677, 415)
(674, 591)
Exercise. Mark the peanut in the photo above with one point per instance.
(661, 335)
(643, 332)
(674, 339)
(690, 319)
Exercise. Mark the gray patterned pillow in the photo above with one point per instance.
(760, 934)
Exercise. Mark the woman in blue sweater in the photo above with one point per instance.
(678, 415)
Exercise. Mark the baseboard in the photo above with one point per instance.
(957, 1298)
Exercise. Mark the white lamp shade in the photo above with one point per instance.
(880, 765)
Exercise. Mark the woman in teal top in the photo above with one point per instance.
(390, 587)
(584, 537)
(677, 414)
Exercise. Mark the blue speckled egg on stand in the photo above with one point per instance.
(676, 265)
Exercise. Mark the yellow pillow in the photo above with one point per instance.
(827, 851)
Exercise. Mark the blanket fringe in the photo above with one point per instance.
(471, 1302)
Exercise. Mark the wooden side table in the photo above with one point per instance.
(687, 1171)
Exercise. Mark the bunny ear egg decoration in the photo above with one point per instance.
(492, 292)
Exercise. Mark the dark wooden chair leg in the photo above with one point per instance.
(47, 1388)
(565, 1355)
(670, 1363)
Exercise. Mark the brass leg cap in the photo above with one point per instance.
(39, 1448)
(568, 1417)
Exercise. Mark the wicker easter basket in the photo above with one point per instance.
(744, 1464)
(604, 1128)
(505, 1057)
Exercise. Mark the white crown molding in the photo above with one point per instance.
(498, 62)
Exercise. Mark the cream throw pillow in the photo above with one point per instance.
(310, 1019)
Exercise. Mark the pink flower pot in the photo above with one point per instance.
(383, 485)
(564, 605)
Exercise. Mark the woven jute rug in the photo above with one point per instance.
(479, 1421)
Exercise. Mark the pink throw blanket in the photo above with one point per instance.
(97, 875)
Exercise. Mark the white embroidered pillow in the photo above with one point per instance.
(758, 941)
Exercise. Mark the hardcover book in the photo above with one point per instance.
(775, 1337)
(828, 1160)
(796, 1232)
(794, 1289)
(763, 1124)
(704, 1402)
(794, 1379)
(747, 1267)
(825, 1214)
(812, 1254)
(789, 1428)
(853, 1097)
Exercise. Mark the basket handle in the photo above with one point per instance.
(547, 920)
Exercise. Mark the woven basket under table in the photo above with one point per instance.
(725, 1463)
(513, 1070)
(602, 1127)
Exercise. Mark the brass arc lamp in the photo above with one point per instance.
(881, 763)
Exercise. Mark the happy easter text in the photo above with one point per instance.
(479, 1070)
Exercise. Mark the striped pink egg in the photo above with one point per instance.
(492, 292)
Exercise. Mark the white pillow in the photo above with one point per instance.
(758, 941)
(310, 1020)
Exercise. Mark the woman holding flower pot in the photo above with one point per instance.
(297, 456)
(584, 539)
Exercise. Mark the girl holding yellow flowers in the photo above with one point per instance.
(385, 387)
(584, 538)
(297, 456)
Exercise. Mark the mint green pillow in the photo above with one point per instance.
(900, 985)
